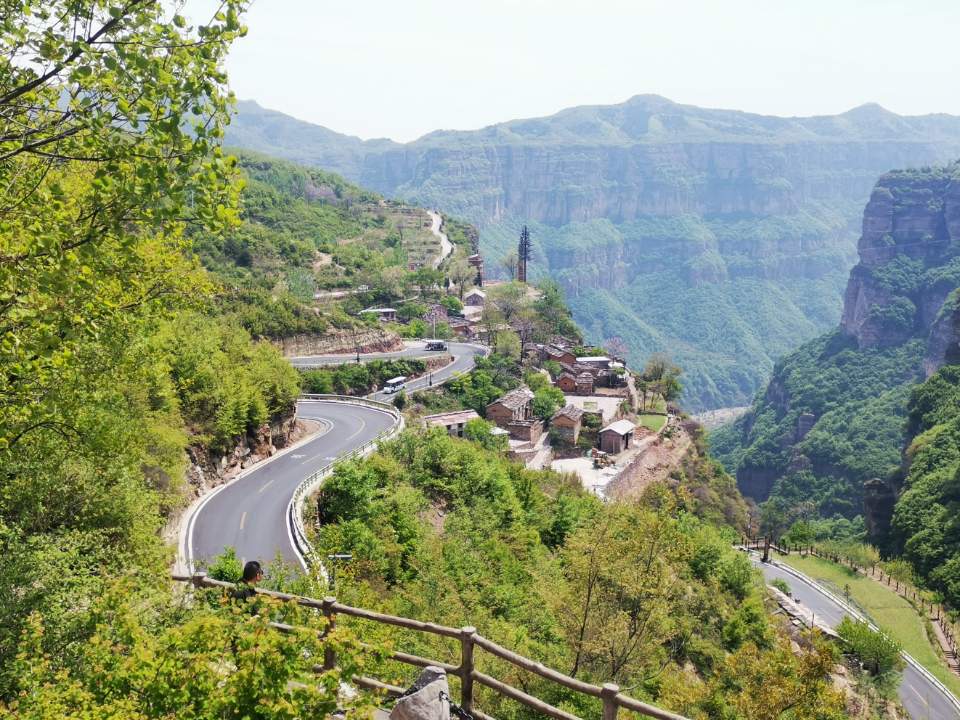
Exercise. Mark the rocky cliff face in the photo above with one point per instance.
(907, 268)
(208, 468)
(943, 347)
(340, 342)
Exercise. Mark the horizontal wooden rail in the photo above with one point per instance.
(536, 667)
(643, 708)
(609, 694)
(403, 622)
(521, 697)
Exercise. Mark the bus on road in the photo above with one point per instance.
(394, 384)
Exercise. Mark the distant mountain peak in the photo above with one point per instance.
(871, 109)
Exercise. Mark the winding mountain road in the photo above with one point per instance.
(464, 355)
(250, 514)
(922, 698)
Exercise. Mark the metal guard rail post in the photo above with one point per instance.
(609, 694)
(310, 483)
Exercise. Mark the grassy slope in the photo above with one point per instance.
(653, 422)
(892, 613)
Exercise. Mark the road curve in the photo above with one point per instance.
(922, 698)
(464, 357)
(250, 514)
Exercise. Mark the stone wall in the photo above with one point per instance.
(337, 342)
(209, 468)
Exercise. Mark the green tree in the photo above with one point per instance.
(110, 117)
(878, 653)
(546, 401)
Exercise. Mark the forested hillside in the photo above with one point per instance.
(844, 428)
(924, 525)
(723, 238)
(303, 231)
(647, 594)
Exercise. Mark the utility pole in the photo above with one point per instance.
(523, 254)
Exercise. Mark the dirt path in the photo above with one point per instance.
(446, 247)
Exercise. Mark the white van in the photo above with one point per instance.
(394, 384)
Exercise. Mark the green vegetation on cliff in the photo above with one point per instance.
(856, 399)
(925, 525)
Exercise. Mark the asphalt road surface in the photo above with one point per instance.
(250, 514)
(464, 356)
(463, 360)
(921, 698)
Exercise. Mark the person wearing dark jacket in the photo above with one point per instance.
(246, 588)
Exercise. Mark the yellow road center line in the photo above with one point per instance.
(243, 519)
(266, 485)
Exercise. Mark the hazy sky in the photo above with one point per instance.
(399, 69)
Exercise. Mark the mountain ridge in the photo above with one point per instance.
(866, 111)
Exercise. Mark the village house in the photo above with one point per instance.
(567, 382)
(462, 328)
(557, 354)
(568, 421)
(600, 362)
(616, 437)
(475, 296)
(584, 384)
(514, 413)
(453, 422)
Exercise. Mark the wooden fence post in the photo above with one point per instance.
(466, 667)
(329, 654)
(608, 693)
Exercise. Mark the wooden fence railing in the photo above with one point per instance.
(470, 641)
(938, 613)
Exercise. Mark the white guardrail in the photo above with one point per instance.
(857, 615)
(295, 508)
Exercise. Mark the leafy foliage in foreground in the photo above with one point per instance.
(109, 367)
(648, 595)
(149, 656)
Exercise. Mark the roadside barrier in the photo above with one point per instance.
(939, 613)
(310, 483)
(857, 615)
